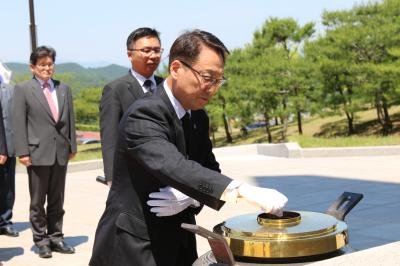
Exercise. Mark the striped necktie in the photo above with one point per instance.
(50, 101)
(148, 85)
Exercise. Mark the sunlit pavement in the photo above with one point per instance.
(310, 184)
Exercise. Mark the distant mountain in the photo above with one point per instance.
(77, 76)
(70, 67)
(111, 70)
(18, 68)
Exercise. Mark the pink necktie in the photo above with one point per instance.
(50, 100)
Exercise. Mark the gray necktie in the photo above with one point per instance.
(148, 85)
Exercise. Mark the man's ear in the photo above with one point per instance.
(129, 54)
(31, 67)
(174, 68)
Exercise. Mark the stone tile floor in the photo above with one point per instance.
(311, 184)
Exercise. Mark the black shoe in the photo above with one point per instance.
(8, 231)
(62, 247)
(45, 252)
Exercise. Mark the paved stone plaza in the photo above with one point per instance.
(310, 184)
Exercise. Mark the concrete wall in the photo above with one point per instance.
(293, 150)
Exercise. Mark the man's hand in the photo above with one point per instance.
(71, 155)
(270, 200)
(3, 159)
(109, 183)
(170, 201)
(25, 160)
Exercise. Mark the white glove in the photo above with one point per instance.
(270, 200)
(170, 201)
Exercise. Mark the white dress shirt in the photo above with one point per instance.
(142, 79)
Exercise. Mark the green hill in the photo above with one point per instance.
(111, 71)
(77, 76)
(70, 67)
(18, 68)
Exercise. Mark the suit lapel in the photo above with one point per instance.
(179, 135)
(134, 86)
(60, 91)
(37, 91)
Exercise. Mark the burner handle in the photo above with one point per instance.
(344, 204)
(222, 253)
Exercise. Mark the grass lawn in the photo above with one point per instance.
(315, 142)
(324, 132)
(317, 132)
(88, 152)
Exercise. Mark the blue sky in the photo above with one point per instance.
(94, 32)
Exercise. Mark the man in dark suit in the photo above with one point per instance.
(164, 166)
(144, 51)
(45, 140)
(7, 167)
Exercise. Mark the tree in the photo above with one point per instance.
(285, 37)
(86, 106)
(377, 54)
(233, 99)
(358, 59)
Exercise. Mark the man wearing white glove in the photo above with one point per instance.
(170, 201)
(269, 200)
(164, 168)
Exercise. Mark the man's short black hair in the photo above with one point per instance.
(187, 47)
(140, 33)
(40, 52)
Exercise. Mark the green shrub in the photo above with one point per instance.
(86, 127)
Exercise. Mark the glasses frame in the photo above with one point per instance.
(148, 50)
(43, 66)
(206, 78)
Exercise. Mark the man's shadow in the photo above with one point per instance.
(21, 226)
(76, 240)
(7, 254)
(70, 240)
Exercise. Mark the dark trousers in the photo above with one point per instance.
(46, 181)
(7, 191)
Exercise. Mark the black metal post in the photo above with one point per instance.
(32, 25)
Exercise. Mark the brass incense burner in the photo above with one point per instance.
(295, 234)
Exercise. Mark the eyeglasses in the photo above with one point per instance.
(43, 66)
(206, 79)
(149, 50)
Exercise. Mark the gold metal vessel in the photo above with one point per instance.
(295, 234)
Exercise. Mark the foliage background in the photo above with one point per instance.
(288, 75)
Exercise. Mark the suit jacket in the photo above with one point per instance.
(3, 144)
(117, 96)
(36, 133)
(151, 154)
(6, 97)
